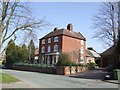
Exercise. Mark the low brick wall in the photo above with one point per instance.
(50, 70)
(67, 70)
(61, 70)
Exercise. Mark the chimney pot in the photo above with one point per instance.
(90, 48)
(70, 27)
(55, 29)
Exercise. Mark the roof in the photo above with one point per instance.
(36, 51)
(66, 32)
(92, 53)
(109, 51)
(89, 54)
(95, 54)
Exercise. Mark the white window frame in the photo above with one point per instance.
(49, 40)
(49, 48)
(82, 50)
(56, 39)
(43, 41)
(82, 42)
(55, 48)
(43, 49)
(81, 59)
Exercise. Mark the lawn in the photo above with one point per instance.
(5, 78)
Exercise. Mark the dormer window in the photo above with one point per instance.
(55, 39)
(49, 40)
(43, 41)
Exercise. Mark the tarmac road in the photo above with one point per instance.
(40, 80)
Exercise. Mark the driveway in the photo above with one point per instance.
(40, 80)
(97, 74)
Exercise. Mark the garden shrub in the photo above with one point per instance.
(91, 65)
(64, 60)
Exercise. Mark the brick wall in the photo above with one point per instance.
(62, 70)
(50, 70)
(72, 46)
(51, 44)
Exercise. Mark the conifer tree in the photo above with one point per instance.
(31, 49)
(10, 54)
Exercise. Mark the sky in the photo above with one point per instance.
(60, 14)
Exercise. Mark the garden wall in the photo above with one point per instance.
(61, 70)
(50, 70)
(67, 70)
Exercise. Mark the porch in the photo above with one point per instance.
(49, 58)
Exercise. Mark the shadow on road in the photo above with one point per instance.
(98, 73)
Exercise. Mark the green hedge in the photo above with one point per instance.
(33, 65)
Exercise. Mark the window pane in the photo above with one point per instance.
(43, 41)
(55, 39)
(49, 40)
(49, 48)
(56, 48)
(82, 50)
(43, 49)
(82, 42)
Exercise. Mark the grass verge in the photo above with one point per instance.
(5, 78)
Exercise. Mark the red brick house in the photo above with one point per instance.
(107, 57)
(36, 55)
(59, 41)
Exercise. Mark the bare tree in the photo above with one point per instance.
(118, 44)
(16, 18)
(106, 23)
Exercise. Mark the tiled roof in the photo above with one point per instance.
(109, 51)
(89, 54)
(65, 32)
(92, 53)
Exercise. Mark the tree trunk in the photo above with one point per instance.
(1, 44)
(118, 34)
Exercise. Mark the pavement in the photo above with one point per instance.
(40, 80)
(19, 84)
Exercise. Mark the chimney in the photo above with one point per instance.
(70, 27)
(90, 48)
(55, 29)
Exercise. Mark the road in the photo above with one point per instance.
(40, 80)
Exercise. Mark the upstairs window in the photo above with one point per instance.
(49, 40)
(82, 42)
(43, 41)
(82, 50)
(49, 48)
(55, 48)
(43, 49)
(55, 39)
